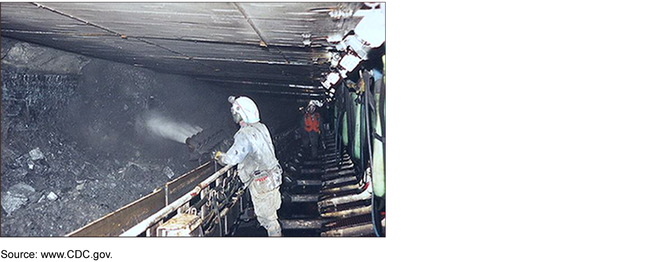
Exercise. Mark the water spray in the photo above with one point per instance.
(167, 128)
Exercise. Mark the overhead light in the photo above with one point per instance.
(333, 77)
(368, 34)
(348, 63)
(331, 80)
(356, 45)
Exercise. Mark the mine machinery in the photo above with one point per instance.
(204, 144)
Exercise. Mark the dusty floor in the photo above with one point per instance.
(75, 143)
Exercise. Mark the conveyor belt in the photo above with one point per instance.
(116, 222)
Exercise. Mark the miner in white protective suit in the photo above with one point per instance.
(258, 167)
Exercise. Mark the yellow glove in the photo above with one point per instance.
(217, 155)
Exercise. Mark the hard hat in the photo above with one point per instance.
(246, 108)
(315, 103)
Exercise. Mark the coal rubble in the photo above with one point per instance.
(73, 145)
(51, 182)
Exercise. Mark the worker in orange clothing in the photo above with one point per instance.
(311, 125)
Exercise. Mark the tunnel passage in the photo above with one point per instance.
(98, 111)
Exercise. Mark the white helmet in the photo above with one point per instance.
(245, 108)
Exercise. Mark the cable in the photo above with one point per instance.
(372, 199)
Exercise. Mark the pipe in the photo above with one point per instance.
(336, 190)
(336, 201)
(301, 224)
(339, 173)
(339, 181)
(349, 213)
(356, 230)
(142, 226)
(344, 165)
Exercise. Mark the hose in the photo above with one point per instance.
(372, 198)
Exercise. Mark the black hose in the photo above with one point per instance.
(372, 202)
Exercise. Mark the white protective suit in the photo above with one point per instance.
(254, 153)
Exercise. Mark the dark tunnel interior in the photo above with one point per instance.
(92, 120)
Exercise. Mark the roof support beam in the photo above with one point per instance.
(264, 43)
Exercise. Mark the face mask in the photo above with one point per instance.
(235, 116)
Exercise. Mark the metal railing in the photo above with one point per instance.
(155, 218)
(152, 208)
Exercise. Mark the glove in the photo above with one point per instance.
(219, 157)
